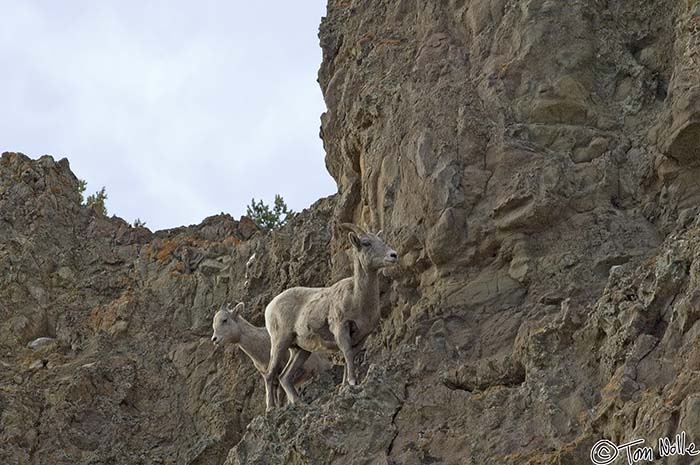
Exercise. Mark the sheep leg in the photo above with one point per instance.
(296, 361)
(344, 342)
(278, 350)
(280, 397)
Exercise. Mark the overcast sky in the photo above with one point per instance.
(181, 109)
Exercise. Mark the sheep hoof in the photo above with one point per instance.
(349, 388)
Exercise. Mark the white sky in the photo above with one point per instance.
(181, 109)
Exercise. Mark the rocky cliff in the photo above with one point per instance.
(131, 375)
(535, 163)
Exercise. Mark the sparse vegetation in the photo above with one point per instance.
(138, 223)
(269, 218)
(82, 185)
(97, 200)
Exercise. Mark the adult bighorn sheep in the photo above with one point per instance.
(305, 320)
(230, 327)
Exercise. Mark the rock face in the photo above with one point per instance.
(534, 163)
(130, 375)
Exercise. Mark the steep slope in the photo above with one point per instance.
(534, 162)
(132, 376)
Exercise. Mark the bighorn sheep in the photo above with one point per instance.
(305, 320)
(230, 327)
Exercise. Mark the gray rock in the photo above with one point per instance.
(534, 163)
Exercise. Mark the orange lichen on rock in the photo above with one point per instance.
(179, 268)
(232, 240)
(166, 251)
(113, 317)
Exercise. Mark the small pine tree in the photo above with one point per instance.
(138, 223)
(269, 218)
(82, 185)
(96, 201)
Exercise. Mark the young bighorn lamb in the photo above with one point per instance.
(305, 320)
(230, 327)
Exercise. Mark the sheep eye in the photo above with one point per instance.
(224, 320)
(366, 243)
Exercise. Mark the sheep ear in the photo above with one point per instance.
(237, 309)
(379, 233)
(354, 240)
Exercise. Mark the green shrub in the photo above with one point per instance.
(96, 201)
(269, 218)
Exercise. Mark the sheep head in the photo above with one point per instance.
(225, 324)
(370, 248)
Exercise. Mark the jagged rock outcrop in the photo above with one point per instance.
(132, 376)
(534, 163)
